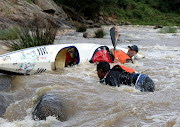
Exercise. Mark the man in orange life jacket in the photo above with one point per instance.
(123, 57)
(117, 77)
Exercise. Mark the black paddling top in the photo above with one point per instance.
(117, 77)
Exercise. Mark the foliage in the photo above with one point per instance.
(29, 1)
(9, 34)
(88, 7)
(31, 36)
(147, 12)
(81, 28)
(99, 33)
(168, 29)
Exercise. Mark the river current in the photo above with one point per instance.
(91, 104)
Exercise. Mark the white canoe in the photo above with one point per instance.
(45, 58)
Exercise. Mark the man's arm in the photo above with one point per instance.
(112, 52)
(112, 80)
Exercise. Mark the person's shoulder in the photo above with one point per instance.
(117, 68)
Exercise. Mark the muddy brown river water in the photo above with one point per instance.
(91, 104)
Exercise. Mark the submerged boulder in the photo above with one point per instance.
(49, 105)
(5, 101)
(5, 98)
(5, 82)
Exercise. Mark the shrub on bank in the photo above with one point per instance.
(9, 34)
(34, 34)
(168, 29)
(99, 33)
(81, 28)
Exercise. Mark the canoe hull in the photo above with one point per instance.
(34, 60)
(40, 59)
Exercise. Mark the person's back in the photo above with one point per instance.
(117, 77)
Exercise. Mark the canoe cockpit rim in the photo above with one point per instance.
(60, 58)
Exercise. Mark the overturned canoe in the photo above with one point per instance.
(44, 58)
(39, 59)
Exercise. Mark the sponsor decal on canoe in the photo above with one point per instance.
(29, 57)
(5, 58)
(40, 70)
(42, 51)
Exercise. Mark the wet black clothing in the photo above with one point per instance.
(117, 77)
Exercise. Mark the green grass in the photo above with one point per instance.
(9, 34)
(31, 36)
(29, 1)
(143, 14)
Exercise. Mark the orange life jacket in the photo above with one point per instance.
(122, 56)
(128, 69)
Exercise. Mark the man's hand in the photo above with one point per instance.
(116, 60)
(129, 60)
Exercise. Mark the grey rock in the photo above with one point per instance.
(128, 23)
(90, 22)
(89, 35)
(100, 18)
(5, 82)
(158, 26)
(19, 13)
(5, 101)
(49, 105)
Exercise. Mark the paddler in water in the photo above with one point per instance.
(123, 57)
(104, 54)
(117, 77)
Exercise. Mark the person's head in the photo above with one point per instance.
(133, 50)
(102, 69)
